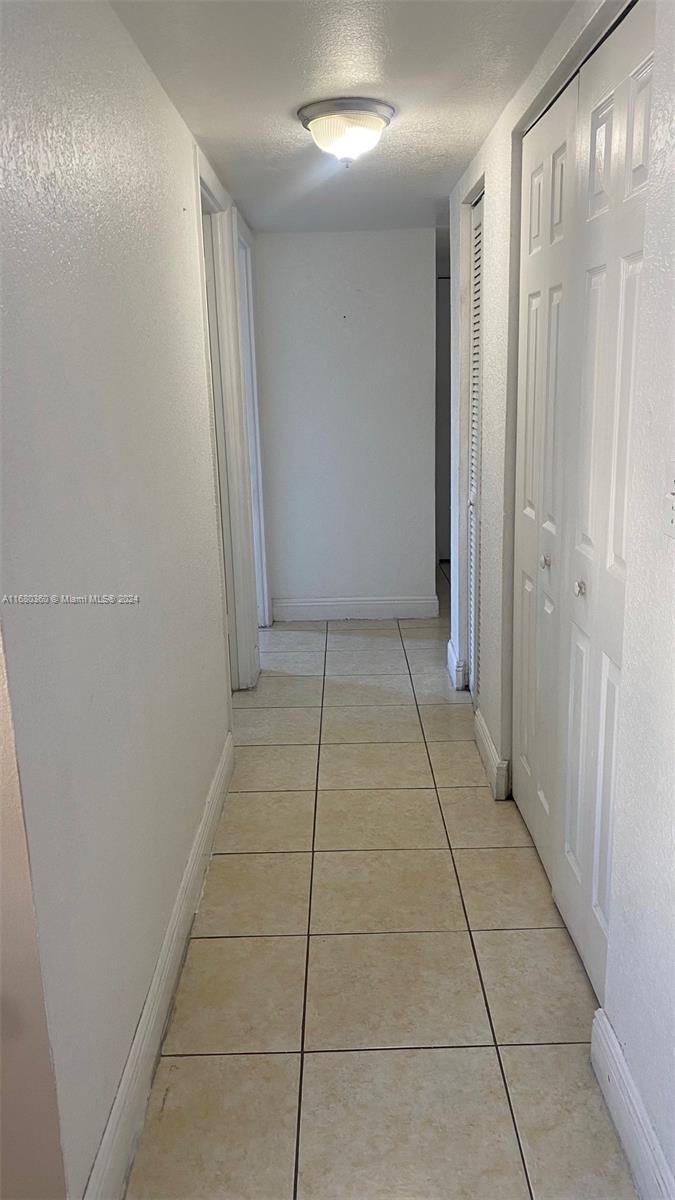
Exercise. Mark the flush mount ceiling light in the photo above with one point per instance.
(347, 127)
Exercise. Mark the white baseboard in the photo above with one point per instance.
(375, 608)
(653, 1177)
(457, 668)
(497, 768)
(118, 1144)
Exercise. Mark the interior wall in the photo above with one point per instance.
(120, 711)
(640, 988)
(345, 340)
(442, 407)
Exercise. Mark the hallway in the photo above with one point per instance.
(376, 937)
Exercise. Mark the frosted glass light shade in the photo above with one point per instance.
(347, 135)
(346, 127)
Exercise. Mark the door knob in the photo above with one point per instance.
(545, 561)
(580, 588)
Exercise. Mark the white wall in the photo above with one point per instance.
(640, 989)
(346, 362)
(121, 713)
(641, 972)
(443, 417)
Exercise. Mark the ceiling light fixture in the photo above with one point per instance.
(347, 127)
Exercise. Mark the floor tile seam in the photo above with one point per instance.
(200, 937)
(431, 1046)
(507, 1093)
(369, 850)
(296, 1161)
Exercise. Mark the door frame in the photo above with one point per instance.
(244, 283)
(229, 431)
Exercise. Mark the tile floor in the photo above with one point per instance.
(379, 999)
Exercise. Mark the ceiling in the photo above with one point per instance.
(237, 70)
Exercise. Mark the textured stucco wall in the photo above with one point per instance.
(640, 989)
(346, 359)
(108, 486)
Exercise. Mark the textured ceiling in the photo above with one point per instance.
(237, 70)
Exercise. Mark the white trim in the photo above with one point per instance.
(218, 197)
(498, 769)
(458, 669)
(251, 404)
(225, 246)
(653, 1178)
(367, 607)
(118, 1144)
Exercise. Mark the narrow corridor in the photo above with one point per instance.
(379, 999)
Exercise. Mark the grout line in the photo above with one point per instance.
(480, 976)
(364, 1049)
(225, 937)
(296, 1165)
(371, 850)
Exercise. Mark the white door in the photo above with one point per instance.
(611, 176)
(247, 344)
(543, 391)
(223, 488)
(476, 383)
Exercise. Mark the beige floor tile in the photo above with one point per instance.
(407, 1124)
(239, 995)
(341, 691)
(366, 662)
(277, 726)
(447, 722)
(457, 764)
(291, 662)
(277, 639)
(364, 639)
(385, 892)
(274, 768)
(302, 626)
(265, 821)
(432, 658)
(439, 625)
(506, 889)
(399, 819)
(362, 624)
(254, 894)
(422, 637)
(435, 687)
(394, 989)
(474, 819)
(219, 1127)
(378, 765)
(372, 723)
(279, 691)
(537, 988)
(570, 1145)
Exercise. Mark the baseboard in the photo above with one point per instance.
(457, 668)
(497, 768)
(653, 1177)
(375, 608)
(118, 1144)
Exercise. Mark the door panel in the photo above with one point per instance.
(547, 200)
(612, 164)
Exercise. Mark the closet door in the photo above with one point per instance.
(543, 393)
(476, 386)
(612, 171)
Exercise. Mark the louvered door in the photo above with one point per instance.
(476, 382)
